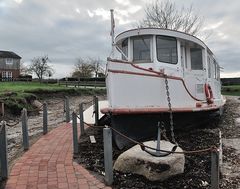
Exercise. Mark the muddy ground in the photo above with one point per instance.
(197, 167)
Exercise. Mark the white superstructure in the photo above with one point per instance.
(153, 59)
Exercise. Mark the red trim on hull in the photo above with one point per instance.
(155, 110)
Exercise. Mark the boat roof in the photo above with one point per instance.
(160, 31)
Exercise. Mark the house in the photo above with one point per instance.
(9, 65)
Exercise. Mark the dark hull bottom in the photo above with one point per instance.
(142, 127)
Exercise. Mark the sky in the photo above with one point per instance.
(68, 29)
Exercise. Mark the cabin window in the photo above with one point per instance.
(167, 49)
(196, 59)
(218, 75)
(141, 49)
(209, 67)
(125, 49)
(9, 61)
(213, 69)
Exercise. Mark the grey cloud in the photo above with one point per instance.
(34, 28)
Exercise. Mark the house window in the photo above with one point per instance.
(167, 49)
(9, 61)
(6, 74)
(196, 59)
(141, 49)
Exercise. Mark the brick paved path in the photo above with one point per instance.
(48, 165)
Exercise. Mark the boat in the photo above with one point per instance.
(160, 75)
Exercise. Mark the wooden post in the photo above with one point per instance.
(75, 134)
(215, 169)
(81, 119)
(67, 109)
(108, 164)
(3, 151)
(96, 109)
(3, 109)
(45, 118)
(25, 129)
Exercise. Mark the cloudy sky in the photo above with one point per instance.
(67, 29)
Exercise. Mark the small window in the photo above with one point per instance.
(125, 49)
(213, 69)
(167, 49)
(141, 49)
(6, 74)
(218, 73)
(196, 59)
(9, 61)
(209, 67)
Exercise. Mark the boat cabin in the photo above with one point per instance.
(172, 51)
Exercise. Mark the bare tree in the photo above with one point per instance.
(164, 14)
(40, 67)
(96, 66)
(23, 69)
(88, 67)
(82, 69)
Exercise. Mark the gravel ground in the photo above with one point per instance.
(197, 167)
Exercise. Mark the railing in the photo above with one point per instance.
(85, 84)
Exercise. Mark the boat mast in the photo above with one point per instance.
(112, 32)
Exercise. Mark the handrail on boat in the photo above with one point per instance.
(159, 74)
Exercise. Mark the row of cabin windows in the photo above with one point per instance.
(166, 48)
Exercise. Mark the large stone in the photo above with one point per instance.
(137, 161)
(37, 104)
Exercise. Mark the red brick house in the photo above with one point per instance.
(9, 65)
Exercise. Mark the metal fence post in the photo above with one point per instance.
(25, 129)
(45, 118)
(81, 119)
(75, 134)
(108, 164)
(67, 109)
(3, 151)
(96, 109)
(215, 169)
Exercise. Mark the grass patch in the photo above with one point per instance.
(19, 95)
(27, 86)
(232, 90)
(40, 88)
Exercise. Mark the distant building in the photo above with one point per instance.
(9, 65)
